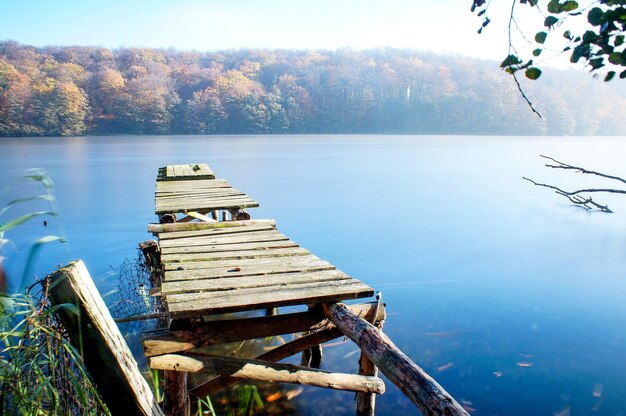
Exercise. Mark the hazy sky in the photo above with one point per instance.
(444, 26)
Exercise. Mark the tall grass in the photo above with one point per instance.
(40, 372)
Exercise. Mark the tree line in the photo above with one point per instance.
(70, 91)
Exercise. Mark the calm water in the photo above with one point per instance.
(512, 299)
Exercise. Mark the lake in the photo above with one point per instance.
(510, 297)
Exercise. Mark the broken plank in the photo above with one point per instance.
(94, 333)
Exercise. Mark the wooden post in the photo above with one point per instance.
(152, 255)
(429, 397)
(366, 402)
(94, 334)
(239, 214)
(176, 398)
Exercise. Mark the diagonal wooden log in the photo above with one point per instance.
(429, 397)
(252, 369)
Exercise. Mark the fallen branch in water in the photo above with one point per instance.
(574, 196)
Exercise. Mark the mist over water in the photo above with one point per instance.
(507, 295)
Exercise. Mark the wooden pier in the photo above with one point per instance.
(204, 267)
(210, 269)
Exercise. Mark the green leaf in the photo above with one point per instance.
(596, 63)
(619, 40)
(21, 220)
(622, 74)
(590, 36)
(20, 200)
(609, 76)
(533, 73)
(569, 6)
(537, 52)
(595, 16)
(554, 6)
(567, 35)
(550, 21)
(540, 37)
(510, 61)
(616, 58)
(33, 252)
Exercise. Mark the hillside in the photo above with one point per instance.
(61, 91)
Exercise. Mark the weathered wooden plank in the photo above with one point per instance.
(223, 331)
(192, 185)
(229, 264)
(249, 237)
(190, 203)
(198, 193)
(260, 298)
(207, 205)
(252, 369)
(175, 227)
(250, 270)
(196, 286)
(223, 194)
(215, 248)
(188, 171)
(234, 254)
(429, 397)
(105, 353)
(212, 232)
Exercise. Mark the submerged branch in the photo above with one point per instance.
(586, 203)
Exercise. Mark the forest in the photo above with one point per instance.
(73, 91)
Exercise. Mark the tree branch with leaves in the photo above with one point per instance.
(600, 46)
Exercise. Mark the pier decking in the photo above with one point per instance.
(201, 266)
(243, 266)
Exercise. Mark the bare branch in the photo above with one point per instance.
(586, 203)
(562, 165)
(511, 69)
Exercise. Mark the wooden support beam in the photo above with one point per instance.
(95, 335)
(203, 217)
(190, 226)
(252, 369)
(429, 397)
(175, 394)
(235, 330)
(279, 353)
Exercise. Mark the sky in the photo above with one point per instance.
(442, 26)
